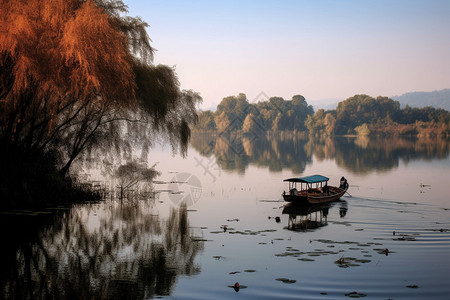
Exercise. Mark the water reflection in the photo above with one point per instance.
(307, 216)
(108, 251)
(236, 153)
(357, 154)
(362, 155)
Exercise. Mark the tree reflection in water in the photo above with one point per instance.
(283, 151)
(104, 251)
(237, 152)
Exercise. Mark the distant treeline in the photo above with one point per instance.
(357, 115)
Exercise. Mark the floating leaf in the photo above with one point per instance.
(314, 254)
(355, 295)
(286, 280)
(305, 259)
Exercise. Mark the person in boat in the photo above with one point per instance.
(344, 183)
(325, 189)
(294, 192)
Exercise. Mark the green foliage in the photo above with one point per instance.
(249, 124)
(361, 109)
(363, 115)
(222, 122)
(235, 110)
(236, 114)
(205, 121)
(322, 123)
(360, 114)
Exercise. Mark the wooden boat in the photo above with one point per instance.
(313, 189)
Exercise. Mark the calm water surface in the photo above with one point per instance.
(388, 239)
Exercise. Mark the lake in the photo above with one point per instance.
(216, 227)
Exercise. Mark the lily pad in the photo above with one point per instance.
(355, 295)
(286, 280)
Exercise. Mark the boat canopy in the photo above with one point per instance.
(309, 179)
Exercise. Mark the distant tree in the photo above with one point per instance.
(274, 114)
(301, 110)
(363, 114)
(361, 109)
(222, 122)
(330, 123)
(236, 109)
(205, 121)
(267, 111)
(289, 114)
(299, 100)
(316, 123)
(362, 130)
(276, 124)
(249, 124)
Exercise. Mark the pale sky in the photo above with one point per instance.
(316, 48)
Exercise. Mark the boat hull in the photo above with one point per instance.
(304, 197)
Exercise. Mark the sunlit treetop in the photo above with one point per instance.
(72, 47)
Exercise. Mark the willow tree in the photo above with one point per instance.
(72, 72)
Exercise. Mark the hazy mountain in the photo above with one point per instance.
(326, 104)
(437, 99)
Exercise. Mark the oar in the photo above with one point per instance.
(348, 194)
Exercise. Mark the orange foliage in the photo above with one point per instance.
(65, 47)
(72, 70)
